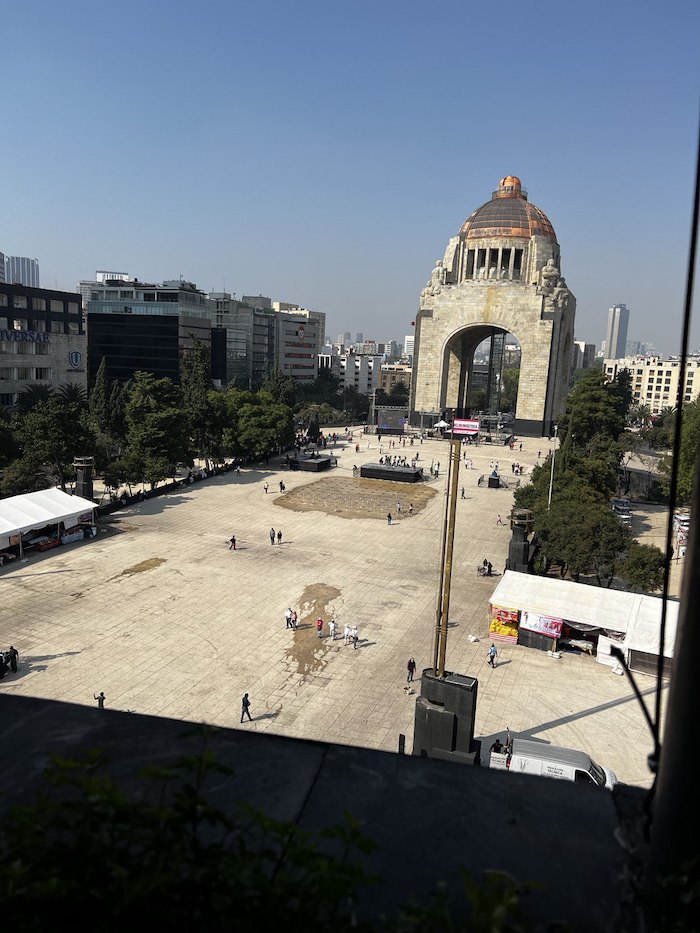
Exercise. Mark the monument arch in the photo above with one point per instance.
(500, 275)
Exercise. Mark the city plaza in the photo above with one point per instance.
(163, 617)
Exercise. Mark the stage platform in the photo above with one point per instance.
(395, 474)
(312, 464)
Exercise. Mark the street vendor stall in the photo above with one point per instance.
(42, 520)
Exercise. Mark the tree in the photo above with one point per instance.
(32, 395)
(643, 567)
(509, 388)
(195, 386)
(73, 393)
(265, 425)
(687, 454)
(53, 433)
(282, 388)
(399, 393)
(157, 437)
(99, 399)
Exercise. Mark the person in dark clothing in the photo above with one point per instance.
(232, 543)
(497, 747)
(272, 535)
(100, 697)
(279, 537)
(411, 668)
(245, 707)
(12, 657)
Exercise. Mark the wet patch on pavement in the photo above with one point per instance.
(358, 498)
(142, 567)
(307, 653)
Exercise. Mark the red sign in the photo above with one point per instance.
(465, 426)
(545, 625)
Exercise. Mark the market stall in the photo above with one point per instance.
(43, 520)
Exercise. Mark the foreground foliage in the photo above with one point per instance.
(93, 856)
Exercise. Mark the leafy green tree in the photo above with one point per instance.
(195, 387)
(53, 433)
(99, 399)
(509, 388)
(9, 446)
(399, 393)
(265, 425)
(157, 428)
(32, 395)
(687, 455)
(73, 393)
(356, 405)
(282, 388)
(643, 567)
(325, 388)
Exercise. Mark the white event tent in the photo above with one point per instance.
(20, 514)
(636, 616)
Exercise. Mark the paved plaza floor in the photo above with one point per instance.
(159, 614)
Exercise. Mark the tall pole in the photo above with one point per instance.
(448, 535)
(551, 474)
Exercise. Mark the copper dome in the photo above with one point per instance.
(508, 213)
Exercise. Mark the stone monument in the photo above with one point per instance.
(500, 275)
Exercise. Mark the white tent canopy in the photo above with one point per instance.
(635, 615)
(19, 514)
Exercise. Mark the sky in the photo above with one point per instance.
(324, 153)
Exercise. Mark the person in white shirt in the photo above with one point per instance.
(331, 629)
(346, 634)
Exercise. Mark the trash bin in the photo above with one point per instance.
(494, 482)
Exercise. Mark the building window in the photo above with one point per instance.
(6, 372)
(57, 305)
(73, 307)
(73, 327)
(23, 373)
(24, 349)
(19, 301)
(43, 372)
(3, 300)
(41, 349)
(7, 398)
(57, 327)
(3, 323)
(39, 327)
(39, 304)
(19, 324)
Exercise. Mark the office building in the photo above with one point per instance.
(584, 354)
(656, 382)
(317, 317)
(297, 346)
(136, 326)
(393, 373)
(249, 336)
(408, 343)
(42, 340)
(2, 268)
(616, 334)
(20, 270)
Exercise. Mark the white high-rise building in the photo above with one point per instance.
(20, 270)
(616, 335)
(408, 342)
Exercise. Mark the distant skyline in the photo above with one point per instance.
(324, 154)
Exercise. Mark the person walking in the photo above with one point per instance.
(13, 657)
(294, 619)
(319, 627)
(288, 617)
(281, 486)
(279, 537)
(410, 508)
(232, 543)
(272, 535)
(331, 629)
(238, 470)
(346, 634)
(398, 507)
(266, 486)
(355, 636)
(388, 519)
(245, 707)
(463, 493)
(493, 654)
(499, 520)
(411, 668)
(100, 697)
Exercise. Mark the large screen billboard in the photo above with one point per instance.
(465, 426)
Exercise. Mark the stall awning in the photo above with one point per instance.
(19, 514)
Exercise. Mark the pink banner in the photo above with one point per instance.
(545, 625)
(465, 426)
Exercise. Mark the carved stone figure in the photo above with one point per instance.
(550, 277)
(438, 278)
(560, 296)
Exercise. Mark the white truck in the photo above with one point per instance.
(565, 764)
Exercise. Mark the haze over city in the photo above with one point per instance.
(325, 154)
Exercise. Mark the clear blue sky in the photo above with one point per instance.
(324, 153)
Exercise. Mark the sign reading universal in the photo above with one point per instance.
(24, 336)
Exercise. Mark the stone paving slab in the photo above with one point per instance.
(159, 614)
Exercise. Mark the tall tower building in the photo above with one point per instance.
(19, 270)
(408, 342)
(2, 267)
(616, 334)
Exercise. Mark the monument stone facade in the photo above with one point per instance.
(500, 275)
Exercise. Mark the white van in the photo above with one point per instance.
(566, 764)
